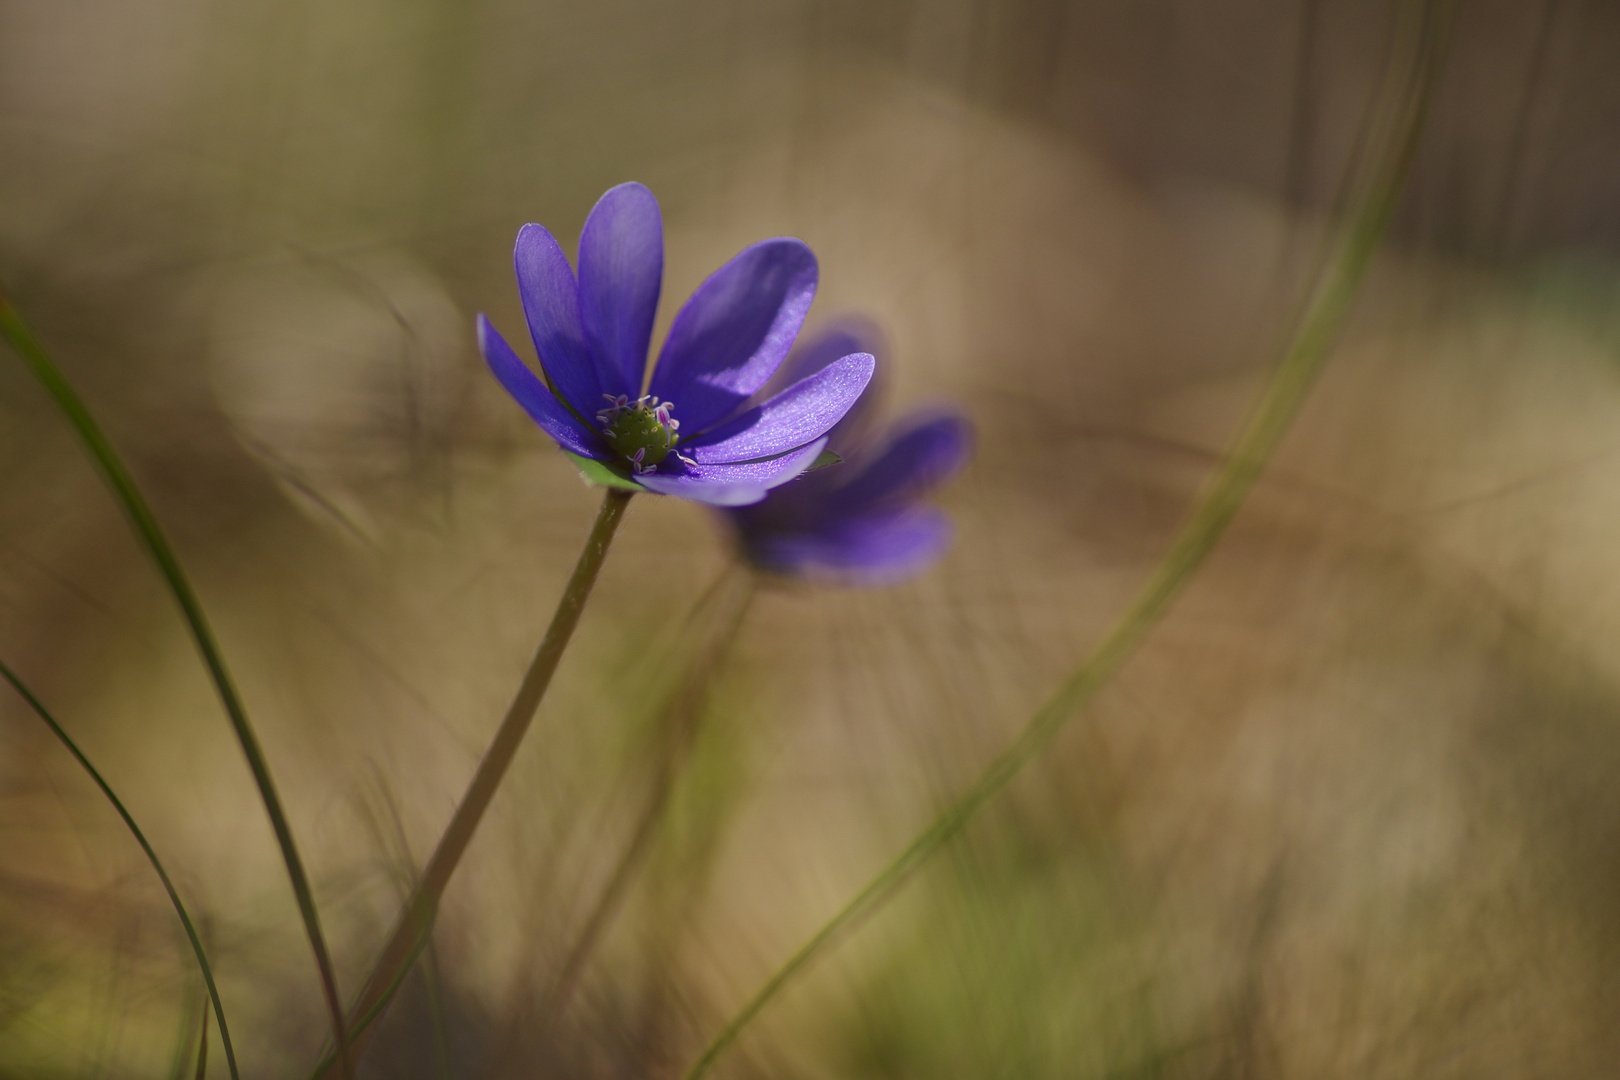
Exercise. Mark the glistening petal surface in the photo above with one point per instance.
(531, 393)
(621, 269)
(710, 492)
(832, 341)
(551, 304)
(732, 334)
(804, 411)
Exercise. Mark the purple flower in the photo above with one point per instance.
(700, 431)
(861, 521)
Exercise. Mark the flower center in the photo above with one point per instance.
(642, 431)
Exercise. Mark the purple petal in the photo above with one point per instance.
(729, 338)
(733, 484)
(832, 341)
(924, 451)
(804, 411)
(532, 394)
(874, 550)
(710, 492)
(551, 304)
(621, 267)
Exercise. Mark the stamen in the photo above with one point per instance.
(640, 432)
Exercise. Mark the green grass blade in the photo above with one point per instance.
(202, 1050)
(1400, 111)
(38, 360)
(151, 857)
(361, 1022)
(181, 1057)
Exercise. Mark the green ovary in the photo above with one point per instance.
(639, 428)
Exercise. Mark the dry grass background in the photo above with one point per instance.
(1351, 812)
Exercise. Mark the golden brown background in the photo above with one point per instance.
(1354, 811)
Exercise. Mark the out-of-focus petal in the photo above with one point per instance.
(621, 268)
(729, 338)
(804, 411)
(747, 481)
(924, 451)
(531, 393)
(832, 341)
(551, 304)
(873, 550)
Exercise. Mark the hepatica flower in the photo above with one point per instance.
(862, 521)
(700, 430)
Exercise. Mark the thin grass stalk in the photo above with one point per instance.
(679, 727)
(1403, 105)
(16, 331)
(151, 857)
(202, 1050)
(406, 871)
(415, 923)
(195, 1007)
(528, 996)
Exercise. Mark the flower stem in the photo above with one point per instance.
(1404, 106)
(151, 857)
(416, 921)
(33, 354)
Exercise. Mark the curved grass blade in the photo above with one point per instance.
(39, 362)
(1402, 109)
(151, 856)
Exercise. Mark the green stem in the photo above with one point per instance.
(151, 857)
(416, 921)
(117, 474)
(1411, 89)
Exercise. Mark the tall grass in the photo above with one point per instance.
(1392, 132)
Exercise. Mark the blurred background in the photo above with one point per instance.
(1353, 810)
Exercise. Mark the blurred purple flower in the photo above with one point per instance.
(701, 431)
(861, 521)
